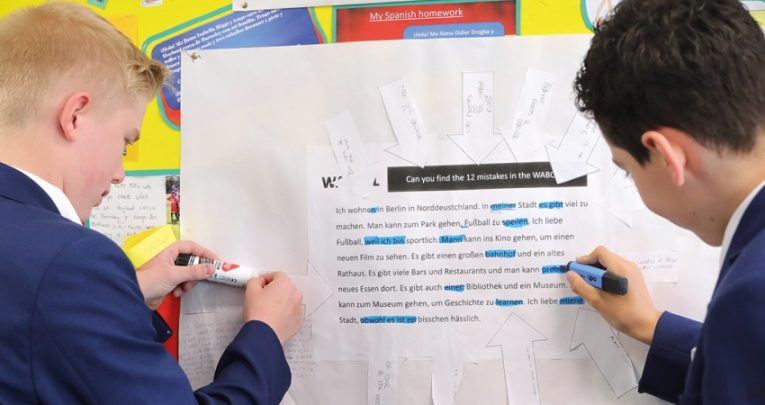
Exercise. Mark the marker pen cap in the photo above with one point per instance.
(185, 259)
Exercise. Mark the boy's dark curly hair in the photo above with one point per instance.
(693, 65)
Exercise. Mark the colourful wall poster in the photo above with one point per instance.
(551, 17)
(759, 16)
(244, 5)
(421, 21)
(233, 30)
(150, 23)
(754, 5)
(757, 8)
(159, 147)
(595, 11)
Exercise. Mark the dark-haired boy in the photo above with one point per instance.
(678, 89)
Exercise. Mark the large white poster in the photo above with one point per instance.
(423, 194)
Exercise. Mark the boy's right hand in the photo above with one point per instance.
(633, 313)
(273, 299)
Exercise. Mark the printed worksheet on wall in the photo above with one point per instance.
(423, 195)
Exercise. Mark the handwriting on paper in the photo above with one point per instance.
(135, 205)
(478, 104)
(404, 115)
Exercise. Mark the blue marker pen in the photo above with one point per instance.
(597, 277)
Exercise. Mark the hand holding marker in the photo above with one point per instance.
(226, 273)
(597, 277)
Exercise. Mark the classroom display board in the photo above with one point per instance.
(419, 170)
(423, 195)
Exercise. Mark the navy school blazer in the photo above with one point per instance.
(728, 361)
(75, 329)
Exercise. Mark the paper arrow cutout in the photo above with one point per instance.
(315, 289)
(524, 134)
(516, 337)
(407, 123)
(477, 140)
(350, 153)
(477, 148)
(592, 331)
(382, 375)
(565, 168)
(570, 159)
(448, 366)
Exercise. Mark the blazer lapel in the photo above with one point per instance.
(752, 222)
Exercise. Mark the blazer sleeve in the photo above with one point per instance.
(94, 341)
(669, 356)
(734, 344)
(162, 330)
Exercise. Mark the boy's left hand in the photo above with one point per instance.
(160, 276)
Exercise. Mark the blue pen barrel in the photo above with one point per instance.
(599, 278)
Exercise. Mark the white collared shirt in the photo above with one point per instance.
(735, 219)
(60, 199)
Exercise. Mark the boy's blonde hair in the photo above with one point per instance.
(42, 46)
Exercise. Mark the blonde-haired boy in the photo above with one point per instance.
(79, 326)
(63, 46)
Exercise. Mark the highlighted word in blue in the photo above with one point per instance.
(551, 205)
(515, 223)
(502, 206)
(389, 319)
(385, 240)
(507, 254)
(553, 269)
(455, 288)
(575, 300)
(507, 303)
(451, 238)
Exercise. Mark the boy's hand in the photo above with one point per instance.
(159, 276)
(633, 313)
(273, 299)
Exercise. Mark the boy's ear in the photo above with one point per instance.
(70, 115)
(665, 144)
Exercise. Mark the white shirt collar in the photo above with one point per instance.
(60, 199)
(734, 221)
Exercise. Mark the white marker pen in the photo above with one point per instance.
(226, 273)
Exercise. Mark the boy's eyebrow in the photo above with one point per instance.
(617, 164)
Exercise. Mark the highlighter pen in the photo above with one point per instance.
(226, 273)
(597, 277)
